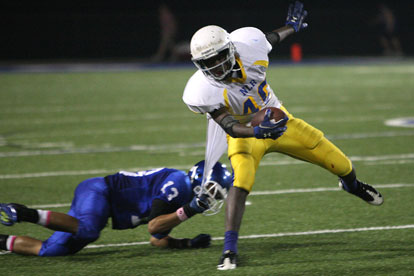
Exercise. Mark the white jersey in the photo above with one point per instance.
(243, 96)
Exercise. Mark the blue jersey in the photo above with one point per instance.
(131, 194)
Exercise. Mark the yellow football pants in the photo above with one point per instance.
(301, 141)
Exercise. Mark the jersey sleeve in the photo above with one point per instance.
(201, 96)
(175, 192)
(160, 207)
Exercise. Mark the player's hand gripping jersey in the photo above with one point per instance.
(244, 95)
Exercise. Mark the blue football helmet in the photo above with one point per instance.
(216, 184)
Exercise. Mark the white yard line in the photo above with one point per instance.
(325, 231)
(20, 138)
(271, 235)
(50, 206)
(41, 109)
(147, 117)
(277, 235)
(370, 160)
(389, 162)
(370, 135)
(67, 148)
(86, 150)
(274, 192)
(324, 189)
(93, 119)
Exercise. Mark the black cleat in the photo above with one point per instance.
(365, 192)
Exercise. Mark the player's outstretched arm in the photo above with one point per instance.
(162, 219)
(163, 223)
(295, 21)
(230, 125)
(200, 241)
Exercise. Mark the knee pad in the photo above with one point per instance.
(309, 136)
(87, 232)
(244, 167)
(336, 162)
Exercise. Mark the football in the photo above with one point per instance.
(277, 114)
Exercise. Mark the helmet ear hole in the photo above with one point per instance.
(197, 189)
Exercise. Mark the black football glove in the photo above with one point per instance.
(201, 241)
(296, 16)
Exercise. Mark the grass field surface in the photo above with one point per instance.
(57, 129)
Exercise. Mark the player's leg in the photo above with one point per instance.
(245, 155)
(12, 213)
(20, 244)
(82, 225)
(91, 208)
(307, 143)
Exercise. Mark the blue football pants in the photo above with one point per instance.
(91, 207)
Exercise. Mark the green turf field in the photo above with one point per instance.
(57, 129)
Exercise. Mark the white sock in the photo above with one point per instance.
(44, 217)
(10, 242)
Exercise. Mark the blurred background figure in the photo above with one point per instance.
(168, 28)
(169, 50)
(386, 25)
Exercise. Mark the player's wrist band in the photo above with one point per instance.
(181, 214)
(189, 212)
(179, 243)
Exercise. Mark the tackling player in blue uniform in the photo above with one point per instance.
(161, 198)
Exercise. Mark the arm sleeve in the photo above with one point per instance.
(273, 38)
(160, 207)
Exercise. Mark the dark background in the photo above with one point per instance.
(130, 30)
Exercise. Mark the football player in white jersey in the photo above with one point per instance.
(230, 86)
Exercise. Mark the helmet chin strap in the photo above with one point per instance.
(237, 66)
(235, 70)
(230, 59)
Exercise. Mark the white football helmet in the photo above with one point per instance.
(213, 52)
